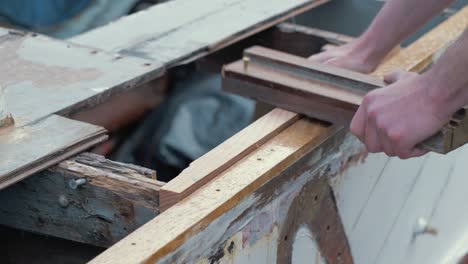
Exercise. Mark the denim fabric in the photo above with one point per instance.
(40, 13)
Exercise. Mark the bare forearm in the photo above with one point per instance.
(448, 78)
(395, 22)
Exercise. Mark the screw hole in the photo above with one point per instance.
(315, 198)
(328, 228)
(285, 238)
(218, 190)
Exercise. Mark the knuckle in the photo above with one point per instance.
(403, 155)
(381, 123)
(373, 148)
(395, 135)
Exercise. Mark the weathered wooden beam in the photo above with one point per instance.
(291, 38)
(87, 199)
(195, 31)
(28, 149)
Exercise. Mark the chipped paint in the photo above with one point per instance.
(249, 232)
(305, 248)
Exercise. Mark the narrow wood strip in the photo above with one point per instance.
(419, 54)
(222, 157)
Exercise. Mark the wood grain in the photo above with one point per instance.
(219, 195)
(222, 157)
(29, 149)
(196, 30)
(115, 200)
(419, 54)
(42, 76)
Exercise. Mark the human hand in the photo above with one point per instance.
(352, 56)
(394, 119)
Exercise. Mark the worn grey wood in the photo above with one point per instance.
(31, 148)
(115, 200)
(183, 30)
(42, 76)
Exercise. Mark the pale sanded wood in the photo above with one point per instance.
(419, 54)
(29, 149)
(223, 156)
(183, 30)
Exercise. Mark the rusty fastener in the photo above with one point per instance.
(63, 201)
(74, 184)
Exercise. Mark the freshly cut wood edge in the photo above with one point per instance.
(223, 156)
(98, 161)
(172, 228)
(419, 54)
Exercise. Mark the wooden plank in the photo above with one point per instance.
(223, 156)
(291, 38)
(220, 195)
(419, 54)
(196, 31)
(42, 76)
(316, 90)
(29, 149)
(114, 200)
(285, 81)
